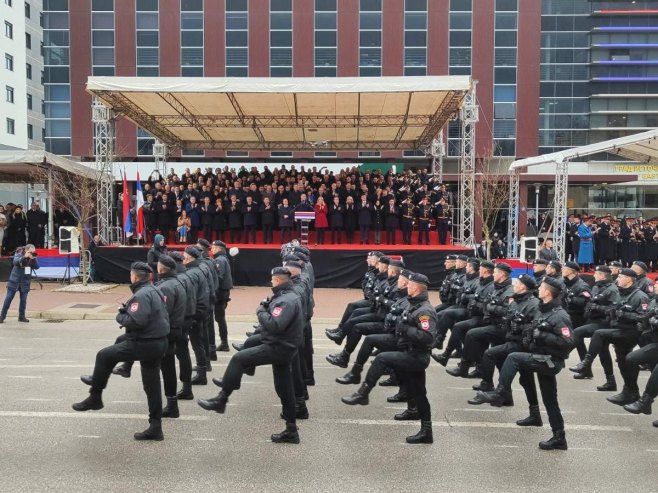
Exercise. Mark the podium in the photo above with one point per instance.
(304, 218)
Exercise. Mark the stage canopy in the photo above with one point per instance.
(286, 113)
(18, 165)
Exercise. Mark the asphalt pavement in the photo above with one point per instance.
(46, 446)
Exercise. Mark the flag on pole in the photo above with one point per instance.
(139, 204)
(127, 226)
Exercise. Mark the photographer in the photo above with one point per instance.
(25, 260)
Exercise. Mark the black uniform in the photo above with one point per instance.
(223, 293)
(457, 312)
(576, 297)
(605, 296)
(407, 221)
(197, 332)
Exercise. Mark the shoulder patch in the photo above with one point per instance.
(134, 307)
(277, 311)
(510, 300)
(650, 288)
(565, 331)
(645, 306)
(424, 322)
(587, 294)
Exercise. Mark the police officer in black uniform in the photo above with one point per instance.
(549, 344)
(643, 282)
(223, 292)
(145, 319)
(415, 331)
(539, 269)
(207, 266)
(577, 294)
(282, 324)
(444, 290)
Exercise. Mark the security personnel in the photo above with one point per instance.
(605, 297)
(415, 332)
(282, 324)
(577, 294)
(549, 345)
(307, 275)
(145, 319)
(621, 330)
(539, 269)
(207, 266)
(554, 270)
(424, 215)
(521, 312)
(444, 289)
(407, 220)
(643, 282)
(477, 340)
(223, 292)
(615, 268)
(475, 308)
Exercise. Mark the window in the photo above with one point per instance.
(280, 154)
(28, 41)
(237, 51)
(30, 131)
(369, 154)
(9, 62)
(9, 30)
(191, 38)
(11, 126)
(10, 94)
(325, 38)
(237, 154)
(27, 10)
(29, 101)
(280, 38)
(415, 37)
(325, 154)
(8, 3)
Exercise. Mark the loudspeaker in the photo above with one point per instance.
(69, 240)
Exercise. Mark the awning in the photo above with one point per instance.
(19, 164)
(286, 113)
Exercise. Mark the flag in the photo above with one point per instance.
(139, 204)
(127, 226)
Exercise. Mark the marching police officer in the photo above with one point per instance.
(145, 319)
(223, 293)
(577, 295)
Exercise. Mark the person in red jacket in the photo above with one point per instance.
(321, 222)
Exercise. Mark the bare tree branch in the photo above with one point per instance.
(491, 196)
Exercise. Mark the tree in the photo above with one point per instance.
(492, 189)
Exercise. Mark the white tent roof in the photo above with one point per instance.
(286, 113)
(20, 163)
(642, 147)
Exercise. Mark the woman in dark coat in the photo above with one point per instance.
(286, 220)
(336, 222)
(350, 219)
(378, 219)
(219, 219)
(16, 229)
(267, 218)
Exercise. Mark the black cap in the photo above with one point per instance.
(280, 271)
(397, 263)
(628, 272)
(141, 267)
(167, 261)
(303, 249)
(555, 264)
(451, 257)
(616, 263)
(529, 281)
(192, 251)
(641, 265)
(177, 256)
(504, 267)
(406, 273)
(219, 243)
(475, 262)
(603, 268)
(419, 278)
(375, 253)
(289, 258)
(204, 243)
(556, 284)
(293, 263)
(384, 260)
(572, 266)
(301, 256)
(463, 258)
(539, 261)
(487, 264)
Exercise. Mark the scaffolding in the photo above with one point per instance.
(438, 152)
(560, 209)
(513, 216)
(104, 140)
(160, 157)
(469, 115)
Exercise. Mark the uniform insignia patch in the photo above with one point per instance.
(164, 296)
(645, 306)
(134, 307)
(510, 300)
(277, 311)
(565, 331)
(650, 287)
(586, 294)
(424, 322)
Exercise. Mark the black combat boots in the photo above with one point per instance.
(200, 377)
(461, 370)
(217, 404)
(424, 435)
(153, 432)
(498, 397)
(557, 442)
(171, 410)
(391, 381)
(409, 414)
(626, 396)
(351, 377)
(584, 368)
(359, 397)
(301, 411)
(92, 403)
(641, 406)
(341, 359)
(223, 347)
(185, 394)
(212, 353)
(122, 370)
(442, 358)
(337, 336)
(289, 435)
(534, 419)
(610, 384)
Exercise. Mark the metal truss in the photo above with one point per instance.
(160, 154)
(513, 215)
(298, 145)
(104, 140)
(469, 117)
(560, 209)
(438, 151)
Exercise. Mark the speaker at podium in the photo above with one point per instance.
(69, 240)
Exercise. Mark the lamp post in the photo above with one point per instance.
(537, 187)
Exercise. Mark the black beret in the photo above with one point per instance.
(290, 258)
(397, 263)
(487, 264)
(641, 265)
(504, 267)
(141, 267)
(555, 264)
(406, 273)
(303, 249)
(539, 261)
(475, 262)
(293, 263)
(451, 257)
(167, 261)
(603, 268)
(280, 271)
(177, 256)
(301, 256)
(375, 253)
(219, 243)
(384, 260)
(617, 264)
(556, 284)
(463, 258)
(628, 272)
(192, 251)
(204, 243)
(572, 266)
(529, 281)
(419, 278)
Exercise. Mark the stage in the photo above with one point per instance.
(336, 266)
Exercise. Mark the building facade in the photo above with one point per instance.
(21, 105)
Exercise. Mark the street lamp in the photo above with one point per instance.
(537, 187)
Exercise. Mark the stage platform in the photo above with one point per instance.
(336, 266)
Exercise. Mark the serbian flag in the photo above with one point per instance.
(139, 202)
(127, 226)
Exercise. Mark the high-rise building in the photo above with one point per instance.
(21, 103)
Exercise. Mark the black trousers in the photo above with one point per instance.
(527, 364)
(406, 232)
(624, 340)
(424, 232)
(336, 234)
(442, 228)
(277, 355)
(198, 340)
(235, 235)
(207, 232)
(647, 355)
(494, 357)
(306, 356)
(349, 234)
(390, 235)
(183, 354)
(220, 318)
(350, 309)
(410, 368)
(364, 231)
(267, 233)
(319, 236)
(583, 332)
(375, 326)
(383, 342)
(247, 231)
(459, 331)
(478, 340)
(193, 234)
(148, 352)
(37, 237)
(286, 234)
(447, 318)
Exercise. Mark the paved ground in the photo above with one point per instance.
(46, 446)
